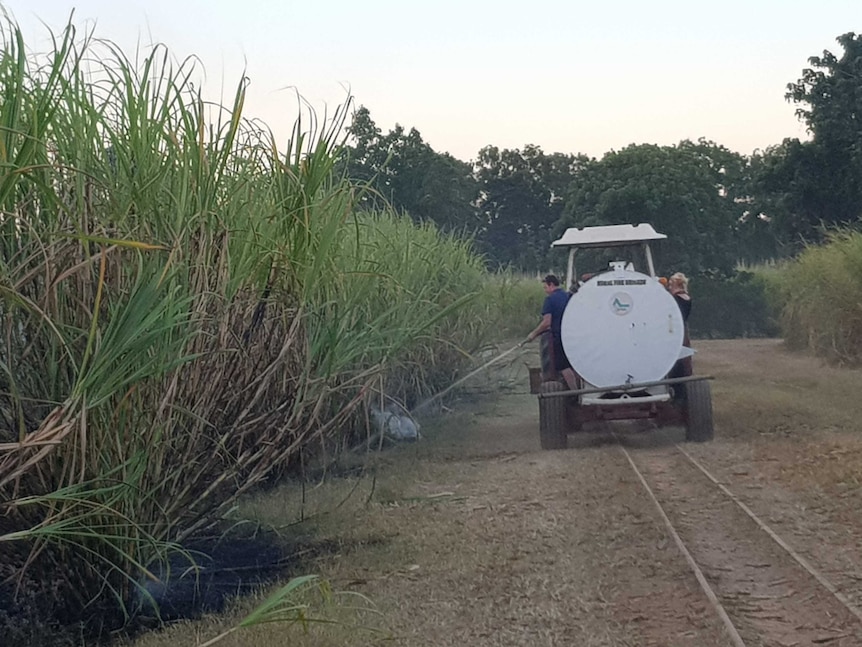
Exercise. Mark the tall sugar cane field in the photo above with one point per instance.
(191, 310)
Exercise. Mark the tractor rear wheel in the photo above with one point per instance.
(552, 417)
(698, 412)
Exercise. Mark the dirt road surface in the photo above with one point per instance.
(475, 536)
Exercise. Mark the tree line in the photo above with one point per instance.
(720, 207)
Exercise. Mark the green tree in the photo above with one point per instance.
(693, 192)
(816, 185)
(828, 99)
(521, 197)
(405, 171)
(794, 195)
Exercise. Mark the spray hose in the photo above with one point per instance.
(468, 376)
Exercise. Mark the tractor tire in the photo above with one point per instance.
(552, 418)
(698, 412)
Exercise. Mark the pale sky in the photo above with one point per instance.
(567, 75)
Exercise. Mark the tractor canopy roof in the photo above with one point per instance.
(608, 236)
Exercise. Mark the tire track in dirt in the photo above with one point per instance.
(540, 548)
(770, 598)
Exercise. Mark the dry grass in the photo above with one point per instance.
(762, 389)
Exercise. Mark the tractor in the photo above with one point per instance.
(624, 335)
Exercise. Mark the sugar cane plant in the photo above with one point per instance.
(187, 305)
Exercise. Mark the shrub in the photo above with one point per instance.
(730, 308)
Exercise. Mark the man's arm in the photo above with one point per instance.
(544, 324)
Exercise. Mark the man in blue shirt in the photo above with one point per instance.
(552, 320)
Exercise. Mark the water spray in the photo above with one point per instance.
(484, 366)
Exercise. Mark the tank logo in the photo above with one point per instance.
(621, 304)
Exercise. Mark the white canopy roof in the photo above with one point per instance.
(608, 236)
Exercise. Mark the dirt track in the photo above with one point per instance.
(478, 537)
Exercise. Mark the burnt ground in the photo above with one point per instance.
(474, 536)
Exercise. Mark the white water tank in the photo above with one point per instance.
(622, 327)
